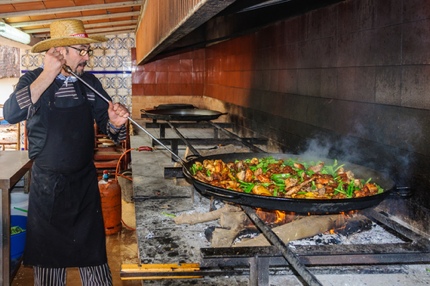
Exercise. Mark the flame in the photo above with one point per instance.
(280, 217)
(275, 217)
(341, 221)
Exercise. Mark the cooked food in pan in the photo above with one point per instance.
(285, 178)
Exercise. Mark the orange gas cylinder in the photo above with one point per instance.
(110, 193)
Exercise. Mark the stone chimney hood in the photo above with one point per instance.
(170, 27)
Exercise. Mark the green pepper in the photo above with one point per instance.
(340, 189)
(350, 189)
(245, 186)
(331, 169)
(195, 168)
(280, 178)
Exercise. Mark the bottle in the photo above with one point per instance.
(110, 194)
(105, 178)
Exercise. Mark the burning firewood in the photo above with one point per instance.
(231, 225)
(298, 229)
(195, 218)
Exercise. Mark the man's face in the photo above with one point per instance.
(77, 57)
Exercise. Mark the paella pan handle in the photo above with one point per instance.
(193, 157)
(218, 195)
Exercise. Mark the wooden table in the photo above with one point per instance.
(14, 165)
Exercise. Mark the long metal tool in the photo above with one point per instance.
(69, 70)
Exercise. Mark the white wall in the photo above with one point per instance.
(6, 87)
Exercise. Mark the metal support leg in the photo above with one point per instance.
(162, 131)
(259, 271)
(175, 149)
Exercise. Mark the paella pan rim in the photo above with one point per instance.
(184, 114)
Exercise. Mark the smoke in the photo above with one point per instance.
(325, 147)
(393, 155)
(317, 148)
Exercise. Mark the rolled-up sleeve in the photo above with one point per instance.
(17, 106)
(116, 135)
(23, 97)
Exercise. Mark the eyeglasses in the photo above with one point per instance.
(83, 52)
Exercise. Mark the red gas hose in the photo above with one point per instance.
(140, 149)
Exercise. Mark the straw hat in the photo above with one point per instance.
(66, 33)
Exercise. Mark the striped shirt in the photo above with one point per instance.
(67, 97)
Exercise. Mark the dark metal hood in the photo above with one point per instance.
(225, 20)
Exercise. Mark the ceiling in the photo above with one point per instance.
(101, 17)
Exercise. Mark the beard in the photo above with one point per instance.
(81, 71)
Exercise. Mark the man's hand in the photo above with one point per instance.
(52, 65)
(118, 114)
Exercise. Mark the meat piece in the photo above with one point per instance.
(290, 182)
(264, 179)
(299, 166)
(258, 172)
(297, 188)
(241, 175)
(317, 168)
(249, 175)
(202, 177)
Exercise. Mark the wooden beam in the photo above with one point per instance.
(84, 18)
(144, 271)
(17, 1)
(70, 9)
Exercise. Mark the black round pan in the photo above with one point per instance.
(175, 106)
(183, 114)
(303, 206)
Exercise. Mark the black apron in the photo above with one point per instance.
(65, 223)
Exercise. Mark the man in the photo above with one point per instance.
(65, 223)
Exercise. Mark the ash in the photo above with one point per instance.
(376, 235)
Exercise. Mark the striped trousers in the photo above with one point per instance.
(90, 276)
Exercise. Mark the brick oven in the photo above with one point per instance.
(348, 79)
(344, 79)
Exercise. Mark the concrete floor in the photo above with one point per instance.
(121, 249)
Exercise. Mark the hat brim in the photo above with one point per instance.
(45, 45)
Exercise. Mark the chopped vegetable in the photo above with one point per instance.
(168, 215)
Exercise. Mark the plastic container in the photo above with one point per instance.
(17, 241)
(18, 203)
